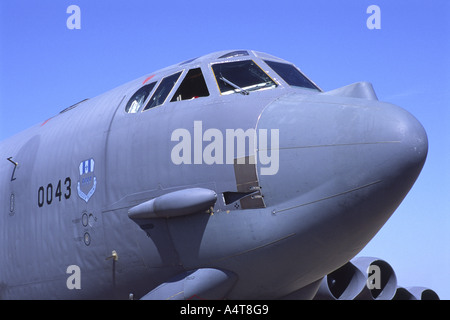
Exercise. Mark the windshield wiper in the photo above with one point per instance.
(243, 91)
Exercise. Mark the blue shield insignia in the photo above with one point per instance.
(87, 181)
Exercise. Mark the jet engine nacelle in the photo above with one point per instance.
(368, 278)
(415, 293)
(381, 280)
(345, 283)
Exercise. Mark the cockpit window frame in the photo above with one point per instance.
(152, 87)
(175, 85)
(312, 85)
(276, 83)
(185, 80)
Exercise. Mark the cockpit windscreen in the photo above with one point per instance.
(291, 75)
(241, 77)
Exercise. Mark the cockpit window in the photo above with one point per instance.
(291, 75)
(234, 54)
(188, 61)
(192, 87)
(241, 77)
(138, 99)
(163, 91)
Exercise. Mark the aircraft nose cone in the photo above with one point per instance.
(403, 147)
(411, 138)
(345, 165)
(330, 146)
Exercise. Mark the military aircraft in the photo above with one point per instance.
(227, 176)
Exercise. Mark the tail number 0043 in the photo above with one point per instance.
(46, 194)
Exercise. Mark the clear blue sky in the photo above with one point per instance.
(46, 67)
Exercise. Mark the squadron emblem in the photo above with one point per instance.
(87, 181)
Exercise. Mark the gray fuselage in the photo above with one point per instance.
(342, 163)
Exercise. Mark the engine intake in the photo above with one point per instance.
(368, 278)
